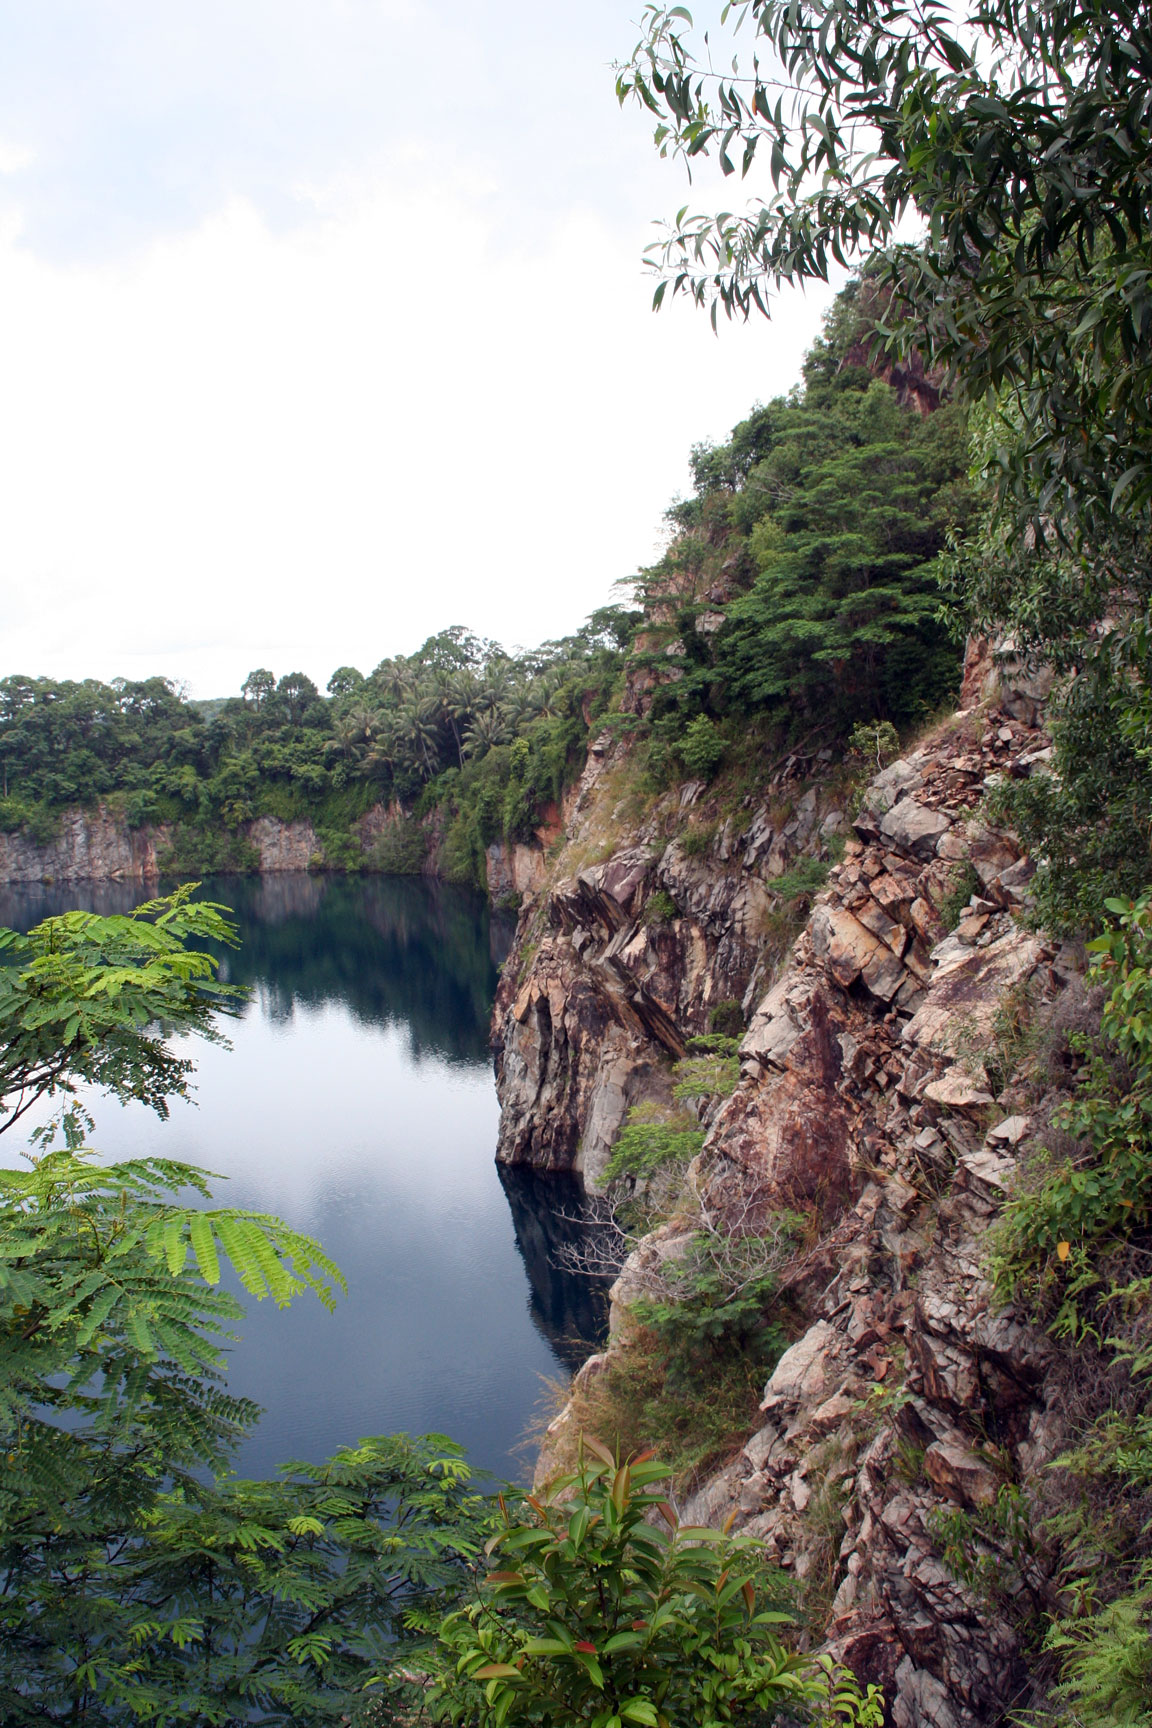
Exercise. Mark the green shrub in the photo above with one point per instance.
(697, 840)
(727, 1019)
(400, 849)
(877, 741)
(710, 1070)
(1046, 1241)
(604, 1611)
(37, 821)
(660, 908)
(806, 877)
(719, 1297)
(195, 850)
(1106, 1662)
(700, 748)
(645, 1145)
(965, 883)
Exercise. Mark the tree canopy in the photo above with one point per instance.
(1020, 138)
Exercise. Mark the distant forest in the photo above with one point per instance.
(799, 592)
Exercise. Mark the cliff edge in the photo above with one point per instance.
(878, 1099)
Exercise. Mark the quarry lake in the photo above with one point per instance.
(358, 1102)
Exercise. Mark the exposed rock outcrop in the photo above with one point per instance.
(91, 845)
(283, 846)
(622, 960)
(97, 845)
(866, 1099)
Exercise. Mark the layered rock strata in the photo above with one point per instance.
(618, 962)
(869, 1073)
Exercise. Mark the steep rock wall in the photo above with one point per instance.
(97, 845)
(863, 1099)
(618, 961)
(92, 845)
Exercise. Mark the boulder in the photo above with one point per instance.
(914, 828)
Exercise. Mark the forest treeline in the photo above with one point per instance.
(800, 590)
(809, 583)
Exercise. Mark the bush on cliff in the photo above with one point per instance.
(604, 1610)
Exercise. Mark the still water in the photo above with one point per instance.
(357, 1101)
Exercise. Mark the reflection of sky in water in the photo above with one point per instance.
(335, 1121)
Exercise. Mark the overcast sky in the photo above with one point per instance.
(323, 326)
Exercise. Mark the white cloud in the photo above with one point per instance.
(296, 448)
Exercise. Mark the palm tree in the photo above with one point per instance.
(488, 728)
(421, 734)
(347, 737)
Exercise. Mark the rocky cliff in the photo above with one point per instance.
(635, 944)
(91, 845)
(877, 1097)
(97, 845)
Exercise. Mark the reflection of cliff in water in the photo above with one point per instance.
(549, 1213)
(398, 950)
(23, 904)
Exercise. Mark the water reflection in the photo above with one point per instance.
(358, 1102)
(549, 1217)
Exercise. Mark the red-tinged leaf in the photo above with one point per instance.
(668, 1513)
(505, 1578)
(597, 1450)
(583, 1644)
(497, 1671)
(749, 1593)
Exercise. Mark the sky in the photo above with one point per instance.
(324, 326)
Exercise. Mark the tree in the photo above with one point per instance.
(1022, 140)
(85, 998)
(297, 693)
(258, 686)
(345, 681)
(134, 1584)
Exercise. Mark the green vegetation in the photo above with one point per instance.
(1020, 137)
(606, 1610)
(711, 1070)
(965, 883)
(85, 998)
(139, 1582)
(460, 731)
(801, 589)
(648, 1143)
(1050, 1237)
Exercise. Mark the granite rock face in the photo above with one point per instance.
(97, 845)
(283, 846)
(864, 1099)
(91, 845)
(619, 960)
